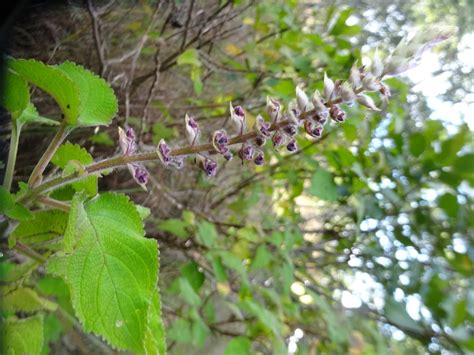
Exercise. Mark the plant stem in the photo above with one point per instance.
(14, 140)
(26, 250)
(123, 160)
(58, 138)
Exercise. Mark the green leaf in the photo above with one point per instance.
(52, 80)
(31, 115)
(238, 346)
(98, 104)
(19, 212)
(268, 319)
(188, 293)
(174, 226)
(22, 336)
(110, 268)
(449, 204)
(323, 186)
(417, 144)
(206, 233)
(16, 96)
(190, 56)
(103, 138)
(154, 342)
(25, 299)
(262, 258)
(6, 200)
(464, 164)
(195, 277)
(67, 156)
(143, 211)
(45, 226)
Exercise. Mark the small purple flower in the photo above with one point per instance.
(237, 114)
(278, 139)
(273, 109)
(127, 141)
(259, 158)
(290, 130)
(263, 127)
(313, 129)
(220, 141)
(208, 165)
(228, 154)
(177, 162)
(163, 151)
(192, 129)
(292, 146)
(246, 152)
(139, 173)
(337, 114)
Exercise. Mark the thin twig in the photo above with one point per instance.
(97, 37)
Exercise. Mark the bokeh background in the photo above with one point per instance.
(361, 242)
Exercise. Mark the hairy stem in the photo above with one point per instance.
(58, 138)
(27, 251)
(15, 137)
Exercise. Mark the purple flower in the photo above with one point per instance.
(259, 158)
(177, 162)
(292, 146)
(208, 165)
(246, 152)
(237, 115)
(278, 139)
(262, 127)
(337, 114)
(313, 129)
(220, 140)
(192, 129)
(227, 154)
(140, 174)
(127, 141)
(273, 109)
(163, 151)
(290, 130)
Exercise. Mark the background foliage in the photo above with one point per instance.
(360, 242)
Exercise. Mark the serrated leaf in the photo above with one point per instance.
(111, 271)
(155, 340)
(19, 212)
(44, 226)
(68, 153)
(6, 200)
(52, 80)
(25, 299)
(22, 336)
(323, 186)
(16, 96)
(98, 104)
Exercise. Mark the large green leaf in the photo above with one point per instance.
(70, 157)
(52, 80)
(22, 336)
(111, 271)
(98, 104)
(16, 96)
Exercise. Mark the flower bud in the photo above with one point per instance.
(163, 151)
(319, 105)
(346, 93)
(259, 158)
(377, 65)
(219, 140)
(262, 127)
(337, 114)
(384, 92)
(227, 154)
(354, 77)
(177, 162)
(246, 152)
(290, 129)
(313, 129)
(127, 141)
(208, 165)
(370, 82)
(278, 139)
(301, 99)
(328, 87)
(367, 101)
(292, 146)
(260, 141)
(273, 109)
(139, 174)
(237, 115)
(294, 113)
(192, 129)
